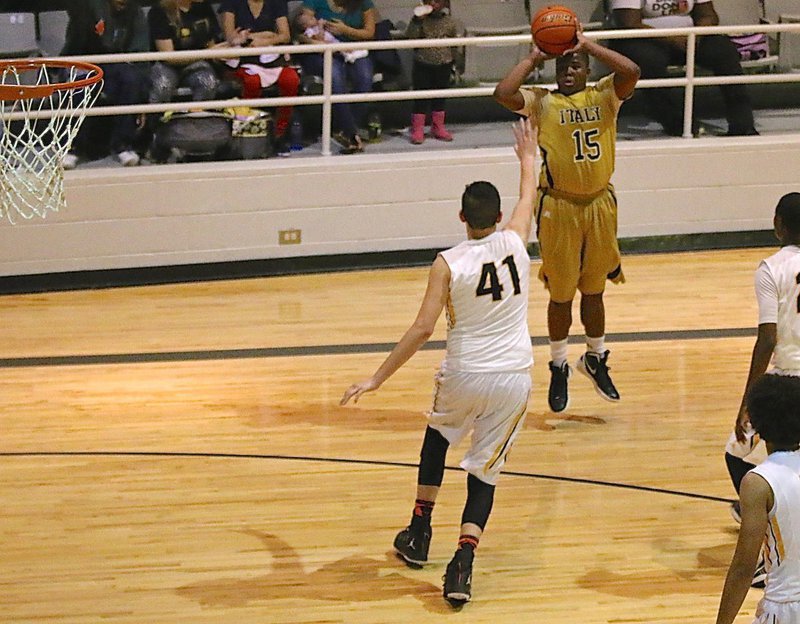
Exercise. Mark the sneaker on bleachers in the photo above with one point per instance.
(281, 147)
(350, 144)
(70, 161)
(128, 158)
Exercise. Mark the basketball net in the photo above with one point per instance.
(42, 106)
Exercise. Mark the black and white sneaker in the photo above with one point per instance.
(458, 578)
(281, 147)
(412, 545)
(594, 366)
(558, 394)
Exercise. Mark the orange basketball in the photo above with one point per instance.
(554, 29)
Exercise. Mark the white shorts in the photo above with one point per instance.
(769, 612)
(752, 449)
(491, 405)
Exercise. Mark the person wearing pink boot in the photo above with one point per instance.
(433, 67)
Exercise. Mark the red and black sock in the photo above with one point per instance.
(423, 509)
(468, 542)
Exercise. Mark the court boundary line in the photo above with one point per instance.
(363, 462)
(335, 349)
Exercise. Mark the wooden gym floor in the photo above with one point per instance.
(176, 454)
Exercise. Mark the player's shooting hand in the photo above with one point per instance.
(524, 139)
(356, 390)
(538, 57)
(582, 41)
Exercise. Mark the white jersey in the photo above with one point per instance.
(782, 543)
(662, 13)
(778, 293)
(487, 308)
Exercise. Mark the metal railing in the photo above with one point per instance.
(327, 99)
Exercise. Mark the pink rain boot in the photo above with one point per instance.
(437, 127)
(417, 134)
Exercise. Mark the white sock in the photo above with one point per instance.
(596, 345)
(558, 351)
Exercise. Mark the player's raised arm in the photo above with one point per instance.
(417, 335)
(626, 72)
(507, 90)
(525, 147)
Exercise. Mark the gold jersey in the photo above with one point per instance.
(577, 136)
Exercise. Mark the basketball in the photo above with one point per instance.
(554, 29)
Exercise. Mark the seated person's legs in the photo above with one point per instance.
(125, 85)
(201, 78)
(718, 53)
(653, 57)
(288, 86)
(342, 115)
(360, 74)
(163, 82)
(251, 83)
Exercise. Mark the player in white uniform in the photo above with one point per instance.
(770, 507)
(777, 284)
(484, 382)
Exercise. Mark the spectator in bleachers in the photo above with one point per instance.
(714, 52)
(347, 20)
(108, 27)
(260, 23)
(307, 23)
(177, 25)
(433, 67)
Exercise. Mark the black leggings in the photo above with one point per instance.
(714, 52)
(427, 76)
(432, 457)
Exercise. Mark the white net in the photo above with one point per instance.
(37, 128)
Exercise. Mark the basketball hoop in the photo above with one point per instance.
(43, 103)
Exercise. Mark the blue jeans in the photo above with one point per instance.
(357, 76)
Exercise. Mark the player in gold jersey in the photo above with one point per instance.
(576, 211)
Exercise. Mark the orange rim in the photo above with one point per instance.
(23, 92)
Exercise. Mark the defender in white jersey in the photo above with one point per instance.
(770, 508)
(484, 382)
(777, 284)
